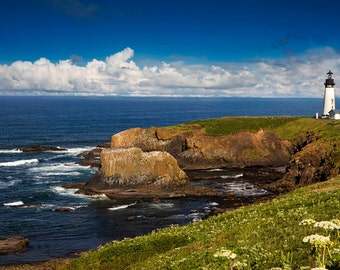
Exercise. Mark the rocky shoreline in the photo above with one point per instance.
(275, 165)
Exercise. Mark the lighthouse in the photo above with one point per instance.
(329, 97)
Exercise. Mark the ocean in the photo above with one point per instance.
(30, 183)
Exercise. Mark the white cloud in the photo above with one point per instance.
(299, 76)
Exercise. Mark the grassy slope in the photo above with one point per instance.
(263, 236)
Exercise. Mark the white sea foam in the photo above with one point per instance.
(14, 204)
(213, 204)
(78, 150)
(19, 162)
(232, 176)
(72, 192)
(67, 191)
(121, 207)
(215, 170)
(99, 197)
(61, 173)
(244, 189)
(162, 205)
(9, 151)
(10, 183)
(196, 216)
(59, 169)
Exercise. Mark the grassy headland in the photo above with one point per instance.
(288, 128)
(299, 229)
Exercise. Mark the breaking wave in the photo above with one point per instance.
(19, 162)
(14, 204)
(9, 151)
(121, 207)
(58, 168)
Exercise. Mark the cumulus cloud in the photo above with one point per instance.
(118, 74)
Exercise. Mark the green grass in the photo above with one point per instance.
(262, 236)
(231, 125)
(287, 127)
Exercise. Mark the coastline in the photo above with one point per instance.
(55, 263)
(310, 147)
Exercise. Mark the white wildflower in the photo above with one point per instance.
(327, 225)
(240, 265)
(307, 221)
(226, 253)
(336, 221)
(316, 239)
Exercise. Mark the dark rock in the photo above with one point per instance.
(63, 209)
(73, 185)
(39, 148)
(92, 157)
(313, 163)
(13, 244)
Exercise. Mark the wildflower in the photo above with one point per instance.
(320, 246)
(226, 253)
(308, 221)
(327, 225)
(317, 240)
(336, 221)
(240, 265)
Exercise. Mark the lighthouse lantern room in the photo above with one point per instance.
(329, 96)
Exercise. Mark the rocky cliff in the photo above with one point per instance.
(155, 157)
(194, 149)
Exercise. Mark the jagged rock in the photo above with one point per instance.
(311, 164)
(40, 148)
(13, 244)
(133, 167)
(92, 157)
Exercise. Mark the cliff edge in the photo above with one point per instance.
(157, 157)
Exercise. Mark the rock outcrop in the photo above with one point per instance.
(92, 158)
(193, 149)
(40, 148)
(155, 157)
(131, 167)
(311, 164)
(13, 244)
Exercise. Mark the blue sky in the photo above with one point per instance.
(172, 47)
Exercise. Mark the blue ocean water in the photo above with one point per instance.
(79, 124)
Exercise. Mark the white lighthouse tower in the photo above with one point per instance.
(329, 96)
